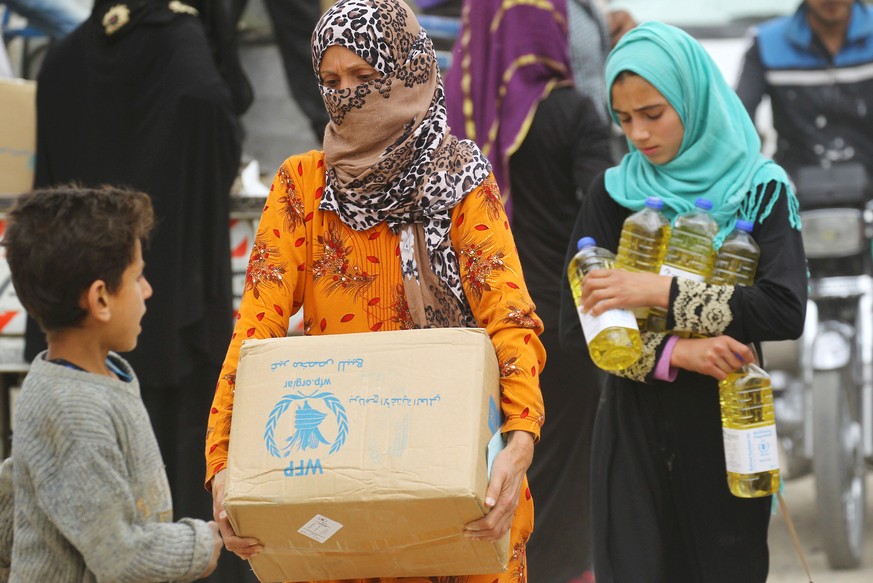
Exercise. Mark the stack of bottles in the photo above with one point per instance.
(690, 254)
(649, 245)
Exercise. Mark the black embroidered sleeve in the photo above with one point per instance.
(699, 308)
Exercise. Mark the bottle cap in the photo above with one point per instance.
(654, 202)
(703, 203)
(746, 226)
(585, 242)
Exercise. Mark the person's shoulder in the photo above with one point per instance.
(772, 30)
(64, 57)
(598, 183)
(306, 164)
(774, 198)
(60, 387)
(302, 177)
(771, 189)
(565, 115)
(57, 403)
(307, 168)
(569, 98)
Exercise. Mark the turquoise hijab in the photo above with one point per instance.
(719, 158)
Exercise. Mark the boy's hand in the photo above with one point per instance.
(244, 547)
(216, 550)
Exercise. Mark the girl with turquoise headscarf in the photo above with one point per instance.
(661, 507)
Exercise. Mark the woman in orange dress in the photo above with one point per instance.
(397, 224)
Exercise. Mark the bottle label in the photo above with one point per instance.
(749, 451)
(594, 325)
(676, 272)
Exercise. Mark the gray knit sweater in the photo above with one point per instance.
(92, 502)
(5, 519)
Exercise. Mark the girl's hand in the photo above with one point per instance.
(716, 357)
(607, 289)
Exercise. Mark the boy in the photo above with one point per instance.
(91, 498)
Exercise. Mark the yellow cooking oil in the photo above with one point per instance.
(749, 429)
(690, 254)
(644, 237)
(737, 260)
(613, 337)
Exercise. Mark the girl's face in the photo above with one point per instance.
(343, 69)
(647, 118)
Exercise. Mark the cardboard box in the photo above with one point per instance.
(18, 136)
(364, 455)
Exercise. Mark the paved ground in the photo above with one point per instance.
(785, 566)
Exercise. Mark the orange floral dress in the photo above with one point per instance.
(351, 281)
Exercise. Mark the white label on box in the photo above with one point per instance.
(676, 272)
(594, 325)
(320, 528)
(749, 451)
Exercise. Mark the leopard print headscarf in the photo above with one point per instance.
(389, 152)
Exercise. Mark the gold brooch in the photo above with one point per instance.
(115, 18)
(182, 8)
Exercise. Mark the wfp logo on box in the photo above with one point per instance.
(310, 413)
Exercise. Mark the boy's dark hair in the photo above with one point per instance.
(61, 240)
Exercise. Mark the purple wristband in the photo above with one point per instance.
(665, 371)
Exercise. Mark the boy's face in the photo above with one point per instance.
(128, 305)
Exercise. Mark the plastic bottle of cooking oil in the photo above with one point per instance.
(737, 259)
(747, 415)
(749, 428)
(613, 337)
(689, 254)
(644, 237)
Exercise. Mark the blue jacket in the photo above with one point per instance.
(822, 103)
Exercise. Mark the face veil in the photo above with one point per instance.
(390, 156)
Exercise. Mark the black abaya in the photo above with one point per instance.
(661, 508)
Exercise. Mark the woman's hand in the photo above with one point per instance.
(504, 488)
(716, 357)
(244, 547)
(608, 289)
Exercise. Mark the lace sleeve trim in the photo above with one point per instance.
(642, 369)
(701, 308)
